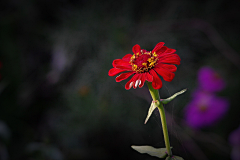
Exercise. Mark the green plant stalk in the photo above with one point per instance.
(155, 96)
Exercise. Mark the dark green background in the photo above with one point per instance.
(58, 102)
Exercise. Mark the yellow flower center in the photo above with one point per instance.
(142, 62)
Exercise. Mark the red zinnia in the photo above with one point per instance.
(146, 65)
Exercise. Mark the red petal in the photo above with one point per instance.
(136, 49)
(161, 50)
(120, 62)
(127, 85)
(148, 77)
(114, 71)
(169, 50)
(127, 57)
(169, 67)
(170, 58)
(126, 68)
(156, 83)
(167, 76)
(131, 82)
(137, 81)
(123, 76)
(166, 54)
(158, 46)
(142, 80)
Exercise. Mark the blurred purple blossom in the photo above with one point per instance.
(210, 80)
(234, 140)
(205, 109)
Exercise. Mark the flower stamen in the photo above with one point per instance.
(135, 67)
(154, 54)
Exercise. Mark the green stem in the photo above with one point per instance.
(165, 130)
(155, 96)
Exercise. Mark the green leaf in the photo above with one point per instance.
(174, 158)
(157, 152)
(151, 109)
(166, 101)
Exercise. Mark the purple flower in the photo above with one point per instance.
(205, 109)
(210, 80)
(234, 140)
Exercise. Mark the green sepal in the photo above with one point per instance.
(157, 152)
(153, 106)
(174, 158)
(166, 101)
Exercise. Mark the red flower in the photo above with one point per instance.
(146, 65)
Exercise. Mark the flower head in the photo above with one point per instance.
(210, 80)
(205, 109)
(146, 65)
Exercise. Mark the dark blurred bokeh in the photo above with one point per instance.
(58, 102)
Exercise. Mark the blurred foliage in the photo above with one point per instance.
(57, 101)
